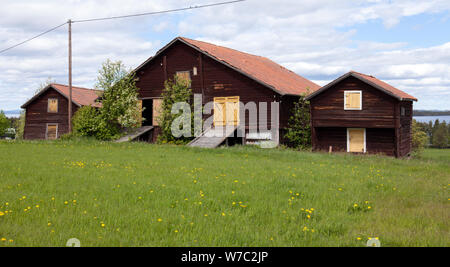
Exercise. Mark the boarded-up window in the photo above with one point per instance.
(156, 110)
(52, 131)
(184, 75)
(52, 105)
(353, 100)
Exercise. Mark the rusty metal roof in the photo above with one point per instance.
(260, 69)
(80, 96)
(371, 80)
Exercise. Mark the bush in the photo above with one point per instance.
(299, 125)
(176, 90)
(4, 123)
(419, 138)
(440, 136)
(88, 121)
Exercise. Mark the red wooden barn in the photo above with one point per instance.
(360, 113)
(222, 75)
(47, 112)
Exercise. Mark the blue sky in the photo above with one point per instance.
(404, 42)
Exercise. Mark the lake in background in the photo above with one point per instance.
(432, 118)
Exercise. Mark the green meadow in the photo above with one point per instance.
(136, 194)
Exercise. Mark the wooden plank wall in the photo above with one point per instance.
(378, 108)
(387, 132)
(213, 80)
(37, 116)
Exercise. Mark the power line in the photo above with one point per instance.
(32, 38)
(159, 12)
(121, 17)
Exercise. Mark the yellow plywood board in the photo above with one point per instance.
(353, 100)
(157, 102)
(226, 111)
(356, 140)
(52, 132)
(53, 105)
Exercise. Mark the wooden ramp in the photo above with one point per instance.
(213, 137)
(135, 134)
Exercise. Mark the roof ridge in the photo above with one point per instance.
(77, 87)
(242, 52)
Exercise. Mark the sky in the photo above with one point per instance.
(403, 42)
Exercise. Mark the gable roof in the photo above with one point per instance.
(260, 69)
(80, 96)
(371, 80)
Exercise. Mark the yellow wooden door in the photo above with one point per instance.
(226, 111)
(232, 110)
(52, 131)
(140, 113)
(156, 110)
(220, 111)
(356, 140)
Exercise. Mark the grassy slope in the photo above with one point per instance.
(127, 187)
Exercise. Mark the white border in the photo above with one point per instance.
(348, 139)
(46, 130)
(360, 100)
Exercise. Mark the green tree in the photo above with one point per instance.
(176, 90)
(120, 96)
(440, 136)
(20, 125)
(4, 123)
(419, 138)
(299, 127)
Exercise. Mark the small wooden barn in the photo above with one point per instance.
(362, 114)
(224, 76)
(47, 112)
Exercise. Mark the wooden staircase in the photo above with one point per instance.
(135, 134)
(213, 137)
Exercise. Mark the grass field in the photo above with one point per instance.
(148, 195)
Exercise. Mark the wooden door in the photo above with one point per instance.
(220, 111)
(356, 140)
(52, 131)
(156, 111)
(226, 111)
(232, 109)
(140, 113)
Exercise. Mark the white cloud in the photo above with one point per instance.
(301, 35)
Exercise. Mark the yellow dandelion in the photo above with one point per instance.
(176, 231)
(358, 238)
(159, 220)
(1, 213)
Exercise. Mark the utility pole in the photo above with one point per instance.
(70, 75)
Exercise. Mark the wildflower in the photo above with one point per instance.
(66, 202)
(3, 239)
(176, 231)
(355, 205)
(1, 213)
(159, 220)
(358, 238)
(49, 224)
(102, 225)
(223, 214)
(369, 207)
(37, 206)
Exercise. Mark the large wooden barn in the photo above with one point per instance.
(223, 75)
(361, 114)
(47, 112)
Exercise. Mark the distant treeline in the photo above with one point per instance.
(438, 133)
(431, 113)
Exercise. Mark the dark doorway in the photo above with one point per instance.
(147, 114)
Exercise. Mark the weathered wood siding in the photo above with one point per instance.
(37, 116)
(387, 131)
(213, 79)
(377, 107)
